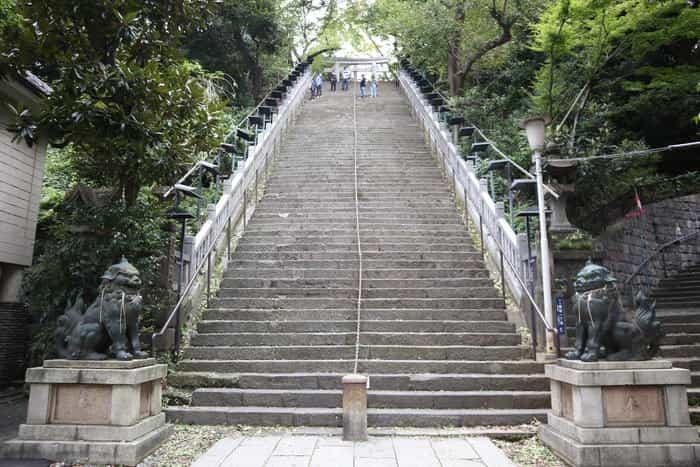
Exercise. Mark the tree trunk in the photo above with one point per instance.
(256, 82)
(454, 76)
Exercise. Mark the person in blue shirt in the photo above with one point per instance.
(319, 85)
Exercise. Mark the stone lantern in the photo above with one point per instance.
(561, 174)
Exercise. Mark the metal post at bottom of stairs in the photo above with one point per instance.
(355, 407)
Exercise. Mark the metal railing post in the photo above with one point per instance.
(466, 208)
(257, 170)
(503, 275)
(481, 235)
(228, 238)
(245, 208)
(208, 278)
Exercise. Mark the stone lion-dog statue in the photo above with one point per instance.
(603, 330)
(109, 328)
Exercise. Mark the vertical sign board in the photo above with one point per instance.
(561, 322)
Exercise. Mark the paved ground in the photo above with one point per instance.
(13, 410)
(315, 451)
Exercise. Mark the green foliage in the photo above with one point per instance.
(170, 119)
(312, 25)
(636, 54)
(243, 40)
(450, 40)
(578, 240)
(123, 95)
(24, 126)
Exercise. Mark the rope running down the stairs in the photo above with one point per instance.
(357, 229)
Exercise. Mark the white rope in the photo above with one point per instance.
(357, 229)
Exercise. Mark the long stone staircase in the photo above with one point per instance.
(434, 338)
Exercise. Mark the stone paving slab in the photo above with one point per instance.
(327, 451)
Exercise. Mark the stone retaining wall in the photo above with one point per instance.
(14, 333)
(626, 244)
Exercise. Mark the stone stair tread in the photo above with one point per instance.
(485, 392)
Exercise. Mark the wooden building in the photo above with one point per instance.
(21, 175)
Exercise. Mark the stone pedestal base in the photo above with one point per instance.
(102, 412)
(620, 414)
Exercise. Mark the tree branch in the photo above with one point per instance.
(506, 25)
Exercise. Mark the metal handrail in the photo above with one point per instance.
(189, 286)
(200, 266)
(505, 260)
(659, 251)
(503, 155)
(241, 124)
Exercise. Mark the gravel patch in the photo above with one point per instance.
(529, 452)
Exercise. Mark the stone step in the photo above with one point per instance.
(310, 211)
(673, 351)
(335, 352)
(250, 246)
(368, 230)
(676, 292)
(689, 363)
(241, 339)
(311, 416)
(367, 293)
(680, 339)
(352, 264)
(693, 328)
(690, 299)
(398, 374)
(678, 283)
(351, 237)
(205, 326)
(348, 223)
(232, 397)
(365, 188)
(244, 282)
(336, 314)
(281, 203)
(303, 303)
(367, 274)
(470, 258)
(678, 316)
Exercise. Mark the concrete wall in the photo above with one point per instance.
(626, 244)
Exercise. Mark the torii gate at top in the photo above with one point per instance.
(359, 65)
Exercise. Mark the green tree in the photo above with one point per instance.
(310, 25)
(133, 108)
(640, 57)
(450, 37)
(243, 40)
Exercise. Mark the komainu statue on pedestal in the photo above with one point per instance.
(603, 330)
(110, 326)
